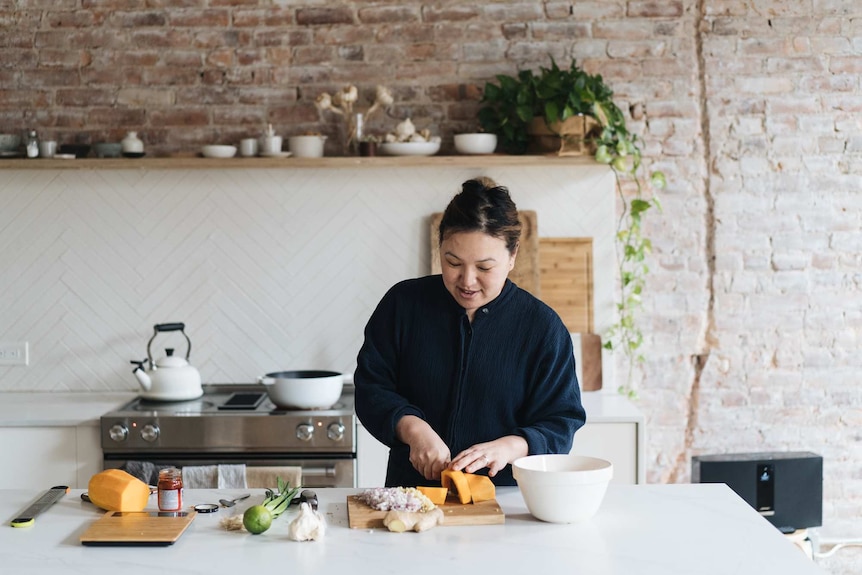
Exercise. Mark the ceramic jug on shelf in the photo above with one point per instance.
(132, 145)
(270, 144)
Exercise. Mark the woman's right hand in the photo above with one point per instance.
(429, 455)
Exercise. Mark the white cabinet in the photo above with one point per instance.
(614, 431)
(615, 442)
(89, 460)
(371, 459)
(42, 457)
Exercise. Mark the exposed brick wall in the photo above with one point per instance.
(751, 108)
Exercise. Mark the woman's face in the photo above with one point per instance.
(475, 266)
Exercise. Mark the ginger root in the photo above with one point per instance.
(401, 521)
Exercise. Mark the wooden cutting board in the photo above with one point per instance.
(361, 516)
(591, 361)
(137, 528)
(566, 272)
(526, 271)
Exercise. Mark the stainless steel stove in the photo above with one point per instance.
(233, 424)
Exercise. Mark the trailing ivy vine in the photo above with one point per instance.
(620, 149)
(556, 94)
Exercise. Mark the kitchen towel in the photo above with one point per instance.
(144, 470)
(231, 476)
(266, 477)
(200, 476)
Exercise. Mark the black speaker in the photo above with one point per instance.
(785, 487)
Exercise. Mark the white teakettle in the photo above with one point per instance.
(169, 378)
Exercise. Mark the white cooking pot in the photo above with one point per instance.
(304, 389)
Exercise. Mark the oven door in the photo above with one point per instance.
(317, 471)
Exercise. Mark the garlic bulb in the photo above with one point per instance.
(308, 525)
(404, 130)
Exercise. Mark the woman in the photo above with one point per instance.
(466, 370)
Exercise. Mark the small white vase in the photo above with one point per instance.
(131, 144)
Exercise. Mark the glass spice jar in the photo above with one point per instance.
(170, 489)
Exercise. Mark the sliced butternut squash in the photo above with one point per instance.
(116, 490)
(481, 487)
(456, 482)
(437, 495)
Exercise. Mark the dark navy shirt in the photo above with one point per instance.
(510, 372)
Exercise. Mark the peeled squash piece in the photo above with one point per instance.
(455, 481)
(437, 495)
(481, 487)
(468, 486)
(116, 490)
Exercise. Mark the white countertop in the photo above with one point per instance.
(21, 409)
(608, 407)
(702, 529)
(85, 408)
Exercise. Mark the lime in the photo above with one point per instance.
(257, 519)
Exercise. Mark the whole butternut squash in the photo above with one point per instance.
(116, 490)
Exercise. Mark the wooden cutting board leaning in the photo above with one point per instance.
(361, 516)
(526, 272)
(559, 271)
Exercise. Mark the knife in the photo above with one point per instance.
(307, 496)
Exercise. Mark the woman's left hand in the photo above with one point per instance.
(494, 455)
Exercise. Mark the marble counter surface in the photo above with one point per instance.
(85, 408)
(702, 529)
(21, 409)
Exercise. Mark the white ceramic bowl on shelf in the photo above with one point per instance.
(410, 148)
(562, 488)
(475, 144)
(217, 151)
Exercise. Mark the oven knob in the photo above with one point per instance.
(304, 431)
(335, 431)
(150, 432)
(118, 432)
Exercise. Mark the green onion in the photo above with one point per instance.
(277, 502)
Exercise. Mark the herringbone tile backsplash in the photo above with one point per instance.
(270, 269)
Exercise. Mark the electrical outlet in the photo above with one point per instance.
(14, 353)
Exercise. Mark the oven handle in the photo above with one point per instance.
(328, 471)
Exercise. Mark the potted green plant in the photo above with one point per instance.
(524, 110)
(556, 95)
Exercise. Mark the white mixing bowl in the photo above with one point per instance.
(562, 488)
(475, 144)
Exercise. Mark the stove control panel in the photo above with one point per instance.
(228, 419)
(150, 432)
(119, 432)
(335, 431)
(304, 431)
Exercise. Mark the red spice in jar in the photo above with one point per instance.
(170, 489)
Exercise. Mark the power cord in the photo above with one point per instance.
(833, 544)
(836, 545)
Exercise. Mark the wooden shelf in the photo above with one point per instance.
(196, 163)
